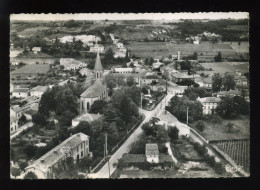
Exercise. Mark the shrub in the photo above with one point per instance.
(200, 126)
(216, 119)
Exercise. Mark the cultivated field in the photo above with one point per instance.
(238, 150)
(221, 67)
(218, 131)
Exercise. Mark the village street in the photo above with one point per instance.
(104, 171)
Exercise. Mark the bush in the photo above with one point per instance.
(216, 119)
(200, 126)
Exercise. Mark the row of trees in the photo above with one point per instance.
(226, 82)
(194, 92)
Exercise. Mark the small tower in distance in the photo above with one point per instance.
(98, 69)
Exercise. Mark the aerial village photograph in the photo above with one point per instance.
(154, 95)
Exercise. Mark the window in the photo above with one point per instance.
(77, 149)
(12, 129)
(81, 153)
(81, 146)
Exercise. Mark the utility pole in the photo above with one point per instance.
(106, 144)
(187, 115)
(141, 101)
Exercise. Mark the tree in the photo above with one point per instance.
(134, 93)
(110, 113)
(39, 119)
(200, 126)
(161, 134)
(130, 81)
(195, 56)
(97, 106)
(149, 130)
(15, 171)
(22, 120)
(128, 108)
(111, 81)
(173, 133)
(226, 108)
(216, 82)
(186, 65)
(229, 82)
(229, 127)
(218, 58)
(30, 151)
(30, 175)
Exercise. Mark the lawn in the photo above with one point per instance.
(212, 131)
(221, 67)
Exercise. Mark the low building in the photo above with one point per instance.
(152, 153)
(36, 49)
(85, 117)
(150, 79)
(231, 93)
(209, 104)
(207, 83)
(38, 91)
(120, 45)
(20, 92)
(76, 146)
(179, 77)
(119, 54)
(86, 72)
(13, 124)
(97, 48)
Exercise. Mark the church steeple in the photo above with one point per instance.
(98, 69)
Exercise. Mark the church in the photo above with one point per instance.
(98, 91)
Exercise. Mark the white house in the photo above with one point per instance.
(20, 92)
(85, 117)
(120, 45)
(152, 153)
(76, 146)
(97, 48)
(36, 49)
(122, 70)
(209, 104)
(13, 124)
(71, 64)
(38, 91)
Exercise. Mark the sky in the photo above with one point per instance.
(131, 16)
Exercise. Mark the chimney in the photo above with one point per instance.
(42, 161)
(179, 55)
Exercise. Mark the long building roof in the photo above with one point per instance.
(94, 91)
(58, 152)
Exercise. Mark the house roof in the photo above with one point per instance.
(181, 76)
(39, 89)
(94, 91)
(209, 100)
(21, 90)
(150, 77)
(36, 49)
(98, 65)
(151, 149)
(58, 152)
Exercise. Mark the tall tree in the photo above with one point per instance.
(229, 82)
(216, 82)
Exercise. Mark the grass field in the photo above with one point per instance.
(221, 67)
(241, 129)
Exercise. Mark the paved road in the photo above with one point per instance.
(170, 152)
(104, 171)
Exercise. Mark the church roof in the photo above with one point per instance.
(98, 65)
(94, 91)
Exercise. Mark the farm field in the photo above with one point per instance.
(238, 150)
(212, 131)
(222, 67)
(243, 48)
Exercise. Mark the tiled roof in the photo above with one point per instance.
(181, 75)
(21, 90)
(94, 91)
(98, 65)
(151, 149)
(55, 154)
(150, 77)
(40, 88)
(134, 158)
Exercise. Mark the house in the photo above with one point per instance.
(85, 117)
(157, 65)
(120, 45)
(97, 48)
(76, 146)
(85, 71)
(13, 124)
(71, 64)
(231, 93)
(208, 83)
(20, 92)
(209, 104)
(241, 81)
(152, 153)
(38, 91)
(150, 79)
(97, 91)
(36, 49)
(179, 77)
(119, 54)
